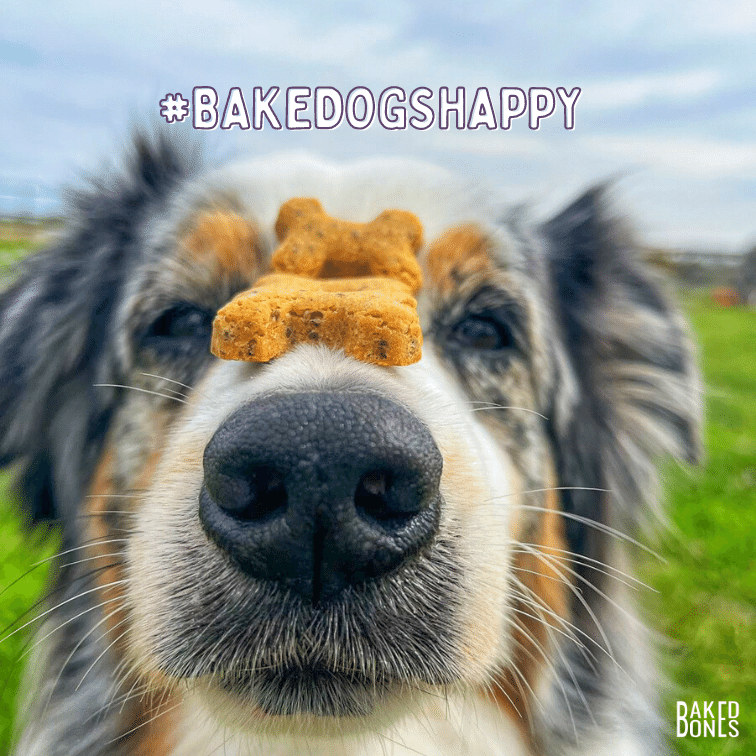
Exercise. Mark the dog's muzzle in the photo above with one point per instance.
(318, 491)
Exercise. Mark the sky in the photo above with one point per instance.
(667, 103)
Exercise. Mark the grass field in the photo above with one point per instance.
(707, 585)
(706, 600)
(20, 589)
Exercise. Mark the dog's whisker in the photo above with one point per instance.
(63, 603)
(578, 595)
(580, 563)
(96, 557)
(532, 599)
(560, 579)
(73, 651)
(558, 566)
(543, 658)
(83, 579)
(542, 613)
(492, 685)
(569, 630)
(404, 746)
(591, 523)
(551, 666)
(107, 648)
(520, 677)
(547, 489)
(61, 625)
(56, 556)
(178, 383)
(606, 650)
(134, 694)
(137, 688)
(142, 390)
(598, 565)
(527, 595)
(508, 407)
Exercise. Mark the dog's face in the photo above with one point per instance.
(326, 547)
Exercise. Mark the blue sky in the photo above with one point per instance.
(668, 96)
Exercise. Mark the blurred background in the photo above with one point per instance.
(668, 107)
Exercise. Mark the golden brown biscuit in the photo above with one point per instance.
(371, 319)
(317, 245)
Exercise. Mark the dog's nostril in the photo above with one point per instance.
(370, 496)
(268, 494)
(375, 483)
(250, 495)
(377, 499)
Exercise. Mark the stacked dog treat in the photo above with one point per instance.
(346, 285)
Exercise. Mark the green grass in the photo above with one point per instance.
(706, 604)
(11, 250)
(10, 245)
(21, 588)
(707, 585)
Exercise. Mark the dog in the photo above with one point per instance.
(318, 555)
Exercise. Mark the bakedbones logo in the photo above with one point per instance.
(708, 719)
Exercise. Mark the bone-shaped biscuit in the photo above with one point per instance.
(317, 245)
(344, 285)
(371, 319)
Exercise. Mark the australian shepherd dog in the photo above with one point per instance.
(317, 555)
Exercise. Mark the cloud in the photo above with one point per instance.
(483, 143)
(644, 90)
(682, 156)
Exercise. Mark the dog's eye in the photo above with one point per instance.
(182, 322)
(483, 332)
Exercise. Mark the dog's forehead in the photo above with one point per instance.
(354, 192)
(461, 222)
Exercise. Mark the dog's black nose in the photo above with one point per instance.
(321, 490)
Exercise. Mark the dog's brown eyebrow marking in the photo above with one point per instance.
(225, 239)
(456, 255)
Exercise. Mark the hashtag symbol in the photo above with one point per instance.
(174, 108)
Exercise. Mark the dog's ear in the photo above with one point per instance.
(56, 327)
(635, 390)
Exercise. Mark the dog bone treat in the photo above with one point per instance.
(346, 285)
(371, 319)
(315, 244)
